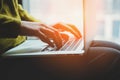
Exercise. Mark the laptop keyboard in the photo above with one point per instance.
(70, 45)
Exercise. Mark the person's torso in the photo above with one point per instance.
(10, 8)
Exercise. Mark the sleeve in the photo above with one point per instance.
(9, 27)
(25, 15)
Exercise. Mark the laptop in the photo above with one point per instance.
(72, 46)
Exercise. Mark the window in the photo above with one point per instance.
(101, 25)
(107, 4)
(111, 6)
(109, 16)
(116, 6)
(116, 29)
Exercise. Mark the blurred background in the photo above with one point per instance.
(107, 16)
(53, 11)
(108, 21)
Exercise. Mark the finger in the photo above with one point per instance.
(75, 29)
(45, 39)
(59, 27)
(58, 38)
(65, 37)
(52, 33)
(65, 27)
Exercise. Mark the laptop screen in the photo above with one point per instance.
(51, 12)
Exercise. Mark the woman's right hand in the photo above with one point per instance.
(46, 33)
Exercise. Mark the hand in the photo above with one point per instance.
(68, 27)
(46, 33)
